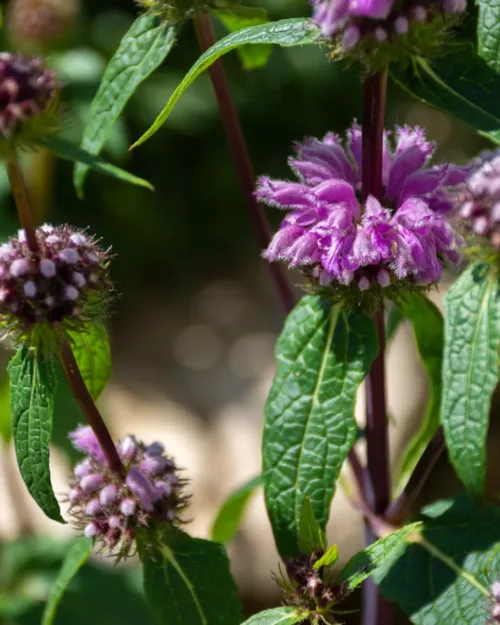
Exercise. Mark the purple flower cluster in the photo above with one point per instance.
(27, 90)
(359, 19)
(337, 238)
(67, 281)
(110, 508)
(495, 603)
(307, 588)
(479, 202)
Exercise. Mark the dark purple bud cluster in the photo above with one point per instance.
(109, 507)
(36, 23)
(310, 589)
(65, 281)
(27, 91)
(479, 202)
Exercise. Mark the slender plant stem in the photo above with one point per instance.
(239, 150)
(88, 407)
(22, 201)
(399, 509)
(68, 362)
(376, 610)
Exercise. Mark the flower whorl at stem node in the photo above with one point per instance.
(61, 288)
(110, 508)
(378, 29)
(477, 205)
(355, 246)
(38, 24)
(28, 94)
(312, 590)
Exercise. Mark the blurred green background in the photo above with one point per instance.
(196, 317)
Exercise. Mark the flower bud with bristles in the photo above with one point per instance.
(28, 99)
(110, 508)
(61, 288)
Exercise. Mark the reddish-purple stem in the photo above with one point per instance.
(239, 151)
(398, 510)
(376, 610)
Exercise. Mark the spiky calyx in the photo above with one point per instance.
(312, 589)
(60, 288)
(35, 25)
(28, 98)
(111, 508)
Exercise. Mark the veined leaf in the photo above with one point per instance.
(74, 560)
(428, 328)
(470, 371)
(143, 48)
(488, 32)
(231, 512)
(187, 580)
(276, 616)
(65, 149)
(5, 422)
(444, 576)
(329, 558)
(458, 82)
(32, 388)
(323, 356)
(290, 32)
(385, 550)
(93, 355)
(235, 17)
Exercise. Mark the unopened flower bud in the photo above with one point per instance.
(110, 507)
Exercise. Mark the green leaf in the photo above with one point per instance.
(93, 355)
(236, 17)
(65, 149)
(231, 512)
(458, 82)
(428, 324)
(290, 32)
(444, 577)
(74, 560)
(143, 48)
(276, 616)
(386, 549)
(187, 580)
(488, 32)
(311, 536)
(32, 388)
(328, 558)
(5, 424)
(470, 371)
(394, 319)
(323, 355)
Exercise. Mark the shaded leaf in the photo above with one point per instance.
(5, 422)
(143, 48)
(311, 536)
(445, 577)
(231, 512)
(470, 371)
(290, 32)
(235, 17)
(92, 353)
(65, 149)
(188, 581)
(428, 328)
(323, 355)
(32, 389)
(458, 82)
(74, 560)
